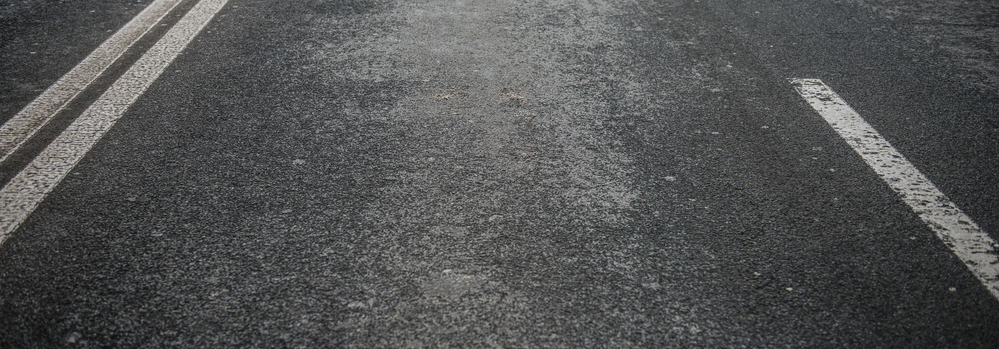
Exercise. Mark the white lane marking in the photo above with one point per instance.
(23, 194)
(23, 125)
(972, 245)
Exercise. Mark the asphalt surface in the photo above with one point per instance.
(511, 174)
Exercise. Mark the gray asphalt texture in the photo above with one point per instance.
(42, 40)
(507, 173)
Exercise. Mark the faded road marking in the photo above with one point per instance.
(23, 194)
(972, 245)
(40, 111)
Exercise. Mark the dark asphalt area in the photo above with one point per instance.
(506, 173)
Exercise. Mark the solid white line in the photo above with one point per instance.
(42, 109)
(972, 245)
(23, 194)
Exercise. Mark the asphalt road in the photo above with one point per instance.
(507, 173)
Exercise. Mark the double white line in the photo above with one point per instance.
(39, 112)
(25, 191)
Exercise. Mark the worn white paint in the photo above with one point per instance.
(42, 109)
(972, 245)
(23, 194)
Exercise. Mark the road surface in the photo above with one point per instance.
(502, 173)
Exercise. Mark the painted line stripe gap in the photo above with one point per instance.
(959, 232)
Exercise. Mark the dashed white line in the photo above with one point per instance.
(972, 245)
(23, 193)
(23, 125)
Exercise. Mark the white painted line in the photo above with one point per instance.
(23, 125)
(972, 245)
(23, 194)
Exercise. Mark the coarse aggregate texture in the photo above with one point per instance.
(42, 40)
(470, 173)
(921, 72)
(966, 33)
